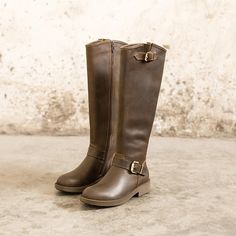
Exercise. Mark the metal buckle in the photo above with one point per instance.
(132, 167)
(146, 57)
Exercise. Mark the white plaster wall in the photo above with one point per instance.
(43, 86)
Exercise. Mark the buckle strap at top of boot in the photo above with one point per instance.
(94, 152)
(135, 167)
(146, 56)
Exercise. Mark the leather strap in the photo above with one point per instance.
(146, 56)
(135, 167)
(94, 152)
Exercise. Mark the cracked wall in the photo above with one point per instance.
(43, 87)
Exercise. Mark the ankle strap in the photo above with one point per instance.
(134, 167)
(94, 152)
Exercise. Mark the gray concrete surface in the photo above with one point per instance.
(193, 190)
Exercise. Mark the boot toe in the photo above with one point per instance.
(96, 193)
(70, 183)
(67, 180)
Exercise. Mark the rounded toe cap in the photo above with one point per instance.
(67, 180)
(89, 193)
(96, 192)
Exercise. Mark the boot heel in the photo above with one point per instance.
(143, 189)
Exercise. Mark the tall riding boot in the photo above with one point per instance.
(102, 59)
(141, 68)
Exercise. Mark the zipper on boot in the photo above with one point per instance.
(110, 98)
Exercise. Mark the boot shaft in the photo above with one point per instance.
(102, 69)
(141, 69)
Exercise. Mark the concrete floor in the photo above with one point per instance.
(193, 190)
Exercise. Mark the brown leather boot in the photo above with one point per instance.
(102, 64)
(141, 68)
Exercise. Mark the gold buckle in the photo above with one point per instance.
(146, 57)
(132, 167)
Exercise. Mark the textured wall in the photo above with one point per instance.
(43, 87)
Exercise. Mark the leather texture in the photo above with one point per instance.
(102, 68)
(136, 93)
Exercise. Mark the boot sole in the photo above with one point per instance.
(67, 189)
(139, 191)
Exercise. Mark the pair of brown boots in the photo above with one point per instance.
(123, 87)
